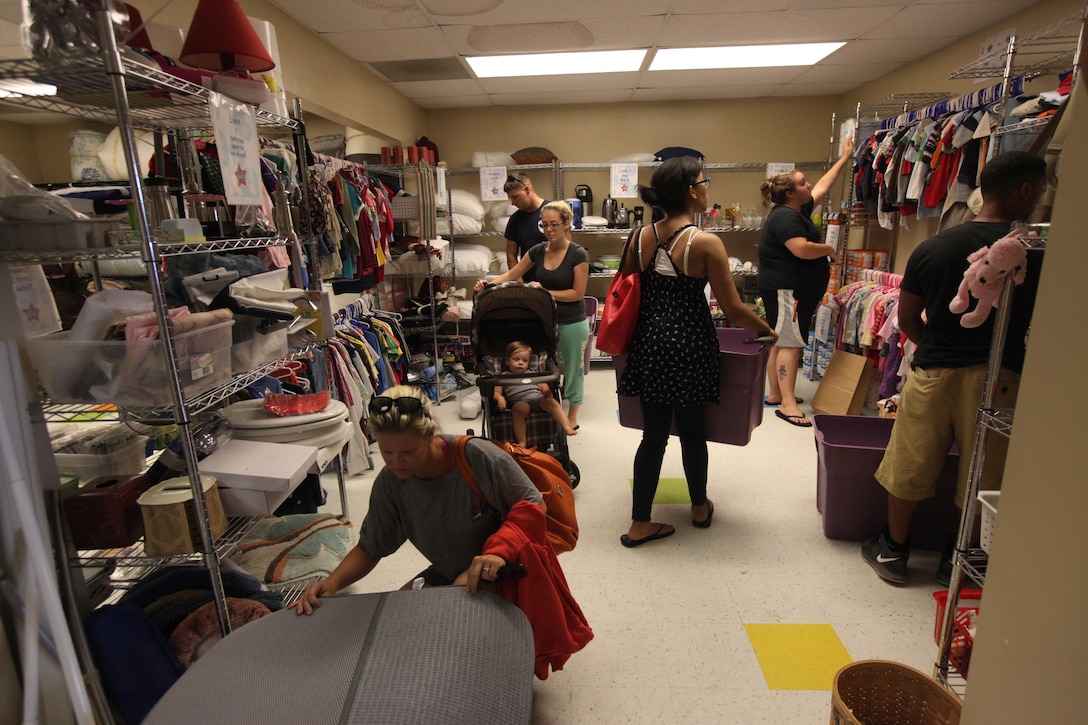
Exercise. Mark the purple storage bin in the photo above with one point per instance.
(740, 380)
(854, 505)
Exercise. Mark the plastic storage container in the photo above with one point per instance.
(854, 506)
(740, 380)
(42, 236)
(130, 373)
(128, 458)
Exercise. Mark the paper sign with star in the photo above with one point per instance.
(492, 179)
(624, 181)
(34, 300)
(235, 126)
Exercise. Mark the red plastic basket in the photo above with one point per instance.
(959, 653)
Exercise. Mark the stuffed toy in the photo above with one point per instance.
(984, 279)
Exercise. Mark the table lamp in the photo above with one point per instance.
(221, 39)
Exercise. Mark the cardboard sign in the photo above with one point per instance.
(845, 383)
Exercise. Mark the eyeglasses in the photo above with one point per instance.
(703, 181)
(407, 405)
(551, 225)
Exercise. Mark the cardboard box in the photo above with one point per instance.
(260, 466)
(250, 502)
(844, 386)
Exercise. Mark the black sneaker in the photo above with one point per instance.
(889, 562)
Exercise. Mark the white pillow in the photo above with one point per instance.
(112, 154)
(464, 226)
(499, 224)
(501, 209)
(633, 159)
(464, 202)
(471, 259)
(491, 158)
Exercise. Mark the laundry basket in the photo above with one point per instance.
(879, 692)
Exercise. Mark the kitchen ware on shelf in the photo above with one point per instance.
(585, 195)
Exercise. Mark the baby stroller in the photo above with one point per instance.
(501, 314)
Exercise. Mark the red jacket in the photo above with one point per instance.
(559, 627)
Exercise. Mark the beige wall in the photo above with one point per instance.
(1030, 656)
(17, 144)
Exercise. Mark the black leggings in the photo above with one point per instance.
(656, 420)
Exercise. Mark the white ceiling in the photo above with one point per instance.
(419, 46)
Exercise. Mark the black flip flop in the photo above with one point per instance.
(769, 404)
(794, 419)
(705, 523)
(632, 543)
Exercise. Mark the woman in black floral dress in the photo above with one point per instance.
(673, 364)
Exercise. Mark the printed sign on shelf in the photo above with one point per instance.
(235, 127)
(624, 181)
(776, 169)
(492, 179)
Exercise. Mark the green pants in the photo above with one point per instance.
(573, 338)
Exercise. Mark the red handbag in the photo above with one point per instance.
(617, 326)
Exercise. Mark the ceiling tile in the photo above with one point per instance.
(754, 28)
(534, 99)
(470, 101)
(684, 93)
(856, 74)
(723, 77)
(330, 16)
(517, 11)
(378, 45)
(889, 50)
(605, 34)
(439, 89)
(959, 19)
(815, 89)
(560, 84)
(712, 7)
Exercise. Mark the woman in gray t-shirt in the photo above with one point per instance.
(421, 496)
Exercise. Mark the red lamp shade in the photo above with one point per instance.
(139, 37)
(221, 38)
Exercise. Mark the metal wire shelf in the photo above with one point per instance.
(135, 556)
(76, 413)
(1044, 52)
(157, 100)
(898, 103)
(164, 249)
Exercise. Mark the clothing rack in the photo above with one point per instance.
(969, 101)
(887, 279)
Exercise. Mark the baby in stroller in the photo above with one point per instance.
(524, 398)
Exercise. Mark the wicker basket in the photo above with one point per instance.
(878, 692)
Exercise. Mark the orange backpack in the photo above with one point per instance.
(548, 475)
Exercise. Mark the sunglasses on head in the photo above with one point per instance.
(513, 180)
(407, 405)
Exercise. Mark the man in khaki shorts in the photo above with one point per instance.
(941, 397)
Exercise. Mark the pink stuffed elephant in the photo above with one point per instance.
(985, 278)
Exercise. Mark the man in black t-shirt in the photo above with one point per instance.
(942, 395)
(523, 230)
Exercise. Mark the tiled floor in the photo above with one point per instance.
(669, 617)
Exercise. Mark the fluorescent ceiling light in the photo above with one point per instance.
(16, 87)
(742, 56)
(556, 64)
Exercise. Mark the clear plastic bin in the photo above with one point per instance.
(130, 373)
(41, 236)
(130, 457)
